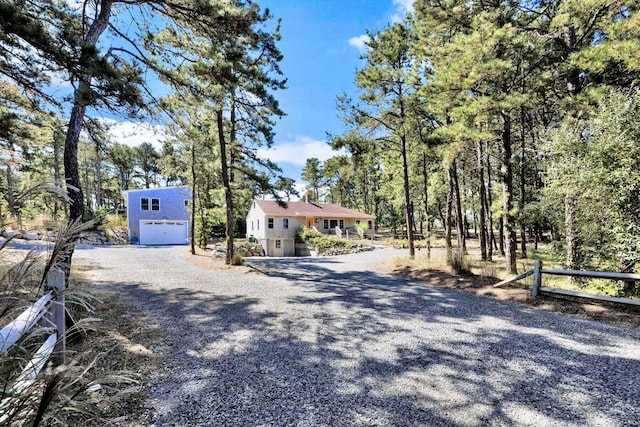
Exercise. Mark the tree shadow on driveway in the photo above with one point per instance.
(506, 363)
(321, 343)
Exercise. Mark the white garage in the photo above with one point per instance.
(164, 232)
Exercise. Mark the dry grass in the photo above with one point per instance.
(205, 259)
(119, 352)
(101, 383)
(436, 271)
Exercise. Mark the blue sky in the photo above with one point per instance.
(322, 41)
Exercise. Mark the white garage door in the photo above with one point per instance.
(163, 232)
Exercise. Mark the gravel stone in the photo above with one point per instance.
(331, 342)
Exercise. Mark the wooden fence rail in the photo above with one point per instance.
(51, 307)
(537, 287)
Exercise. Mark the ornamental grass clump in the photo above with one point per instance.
(458, 261)
(61, 395)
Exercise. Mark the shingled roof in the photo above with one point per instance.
(326, 210)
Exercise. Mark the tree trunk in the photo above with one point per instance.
(98, 170)
(507, 196)
(521, 200)
(192, 217)
(493, 244)
(425, 183)
(232, 140)
(228, 196)
(440, 210)
(448, 221)
(71, 175)
(572, 241)
(453, 177)
(87, 185)
(501, 235)
(574, 86)
(483, 202)
(58, 139)
(407, 196)
(14, 210)
(627, 287)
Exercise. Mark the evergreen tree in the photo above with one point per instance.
(388, 83)
(312, 174)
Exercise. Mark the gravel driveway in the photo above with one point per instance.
(330, 342)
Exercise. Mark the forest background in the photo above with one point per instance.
(514, 119)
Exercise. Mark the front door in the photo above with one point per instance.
(309, 222)
(278, 250)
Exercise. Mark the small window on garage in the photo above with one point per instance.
(270, 223)
(326, 224)
(144, 203)
(155, 204)
(285, 223)
(278, 244)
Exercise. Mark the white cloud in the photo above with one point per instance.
(404, 5)
(402, 8)
(297, 152)
(360, 42)
(135, 133)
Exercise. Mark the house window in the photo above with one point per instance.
(144, 203)
(370, 224)
(278, 244)
(342, 224)
(251, 225)
(257, 224)
(357, 221)
(326, 224)
(270, 223)
(333, 224)
(155, 204)
(285, 223)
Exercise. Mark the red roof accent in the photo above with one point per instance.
(326, 210)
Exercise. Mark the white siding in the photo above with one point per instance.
(278, 231)
(256, 223)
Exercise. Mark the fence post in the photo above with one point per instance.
(537, 278)
(56, 315)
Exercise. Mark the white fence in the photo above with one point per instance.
(537, 287)
(50, 310)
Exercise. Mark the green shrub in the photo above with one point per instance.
(307, 233)
(322, 243)
(555, 251)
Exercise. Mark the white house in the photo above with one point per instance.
(275, 226)
(158, 216)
